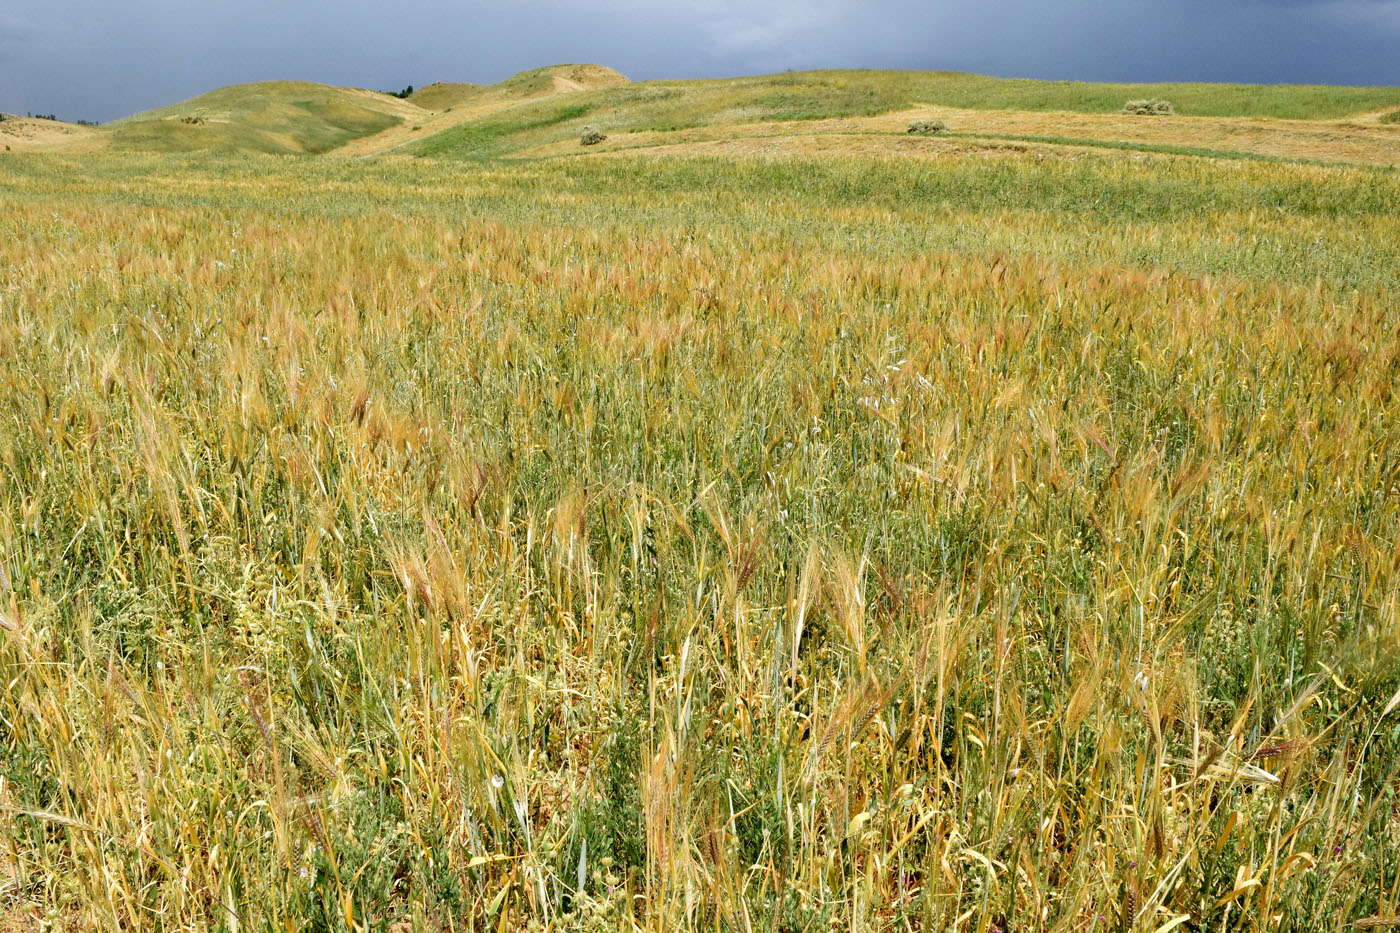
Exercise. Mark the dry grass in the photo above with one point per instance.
(27, 134)
(1325, 141)
(839, 146)
(699, 544)
(1067, 133)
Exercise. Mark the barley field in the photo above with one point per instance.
(1001, 540)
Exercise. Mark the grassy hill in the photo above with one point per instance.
(554, 78)
(273, 116)
(667, 106)
(37, 134)
(441, 96)
(536, 82)
(542, 107)
(451, 105)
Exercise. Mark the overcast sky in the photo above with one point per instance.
(98, 59)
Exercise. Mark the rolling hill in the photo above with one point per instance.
(541, 113)
(273, 116)
(38, 134)
(445, 96)
(648, 114)
(452, 105)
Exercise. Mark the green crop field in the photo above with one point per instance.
(1000, 536)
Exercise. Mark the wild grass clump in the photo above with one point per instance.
(1392, 117)
(1151, 107)
(927, 128)
(626, 544)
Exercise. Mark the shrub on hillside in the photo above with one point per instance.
(1154, 107)
(1392, 117)
(927, 128)
(591, 137)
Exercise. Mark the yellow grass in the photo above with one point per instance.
(1353, 141)
(998, 538)
(26, 134)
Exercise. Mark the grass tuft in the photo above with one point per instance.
(927, 128)
(1150, 107)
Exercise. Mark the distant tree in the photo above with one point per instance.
(404, 93)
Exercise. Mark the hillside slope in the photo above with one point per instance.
(455, 104)
(35, 134)
(443, 96)
(542, 111)
(554, 78)
(273, 116)
(670, 106)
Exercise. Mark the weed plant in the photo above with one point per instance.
(1151, 107)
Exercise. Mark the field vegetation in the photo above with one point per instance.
(999, 540)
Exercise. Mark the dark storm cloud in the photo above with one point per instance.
(92, 59)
